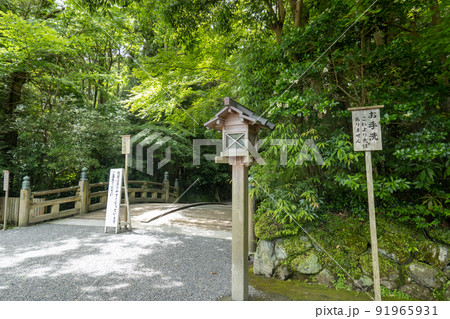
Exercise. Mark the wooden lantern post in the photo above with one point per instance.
(239, 127)
(367, 138)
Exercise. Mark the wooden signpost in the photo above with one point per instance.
(113, 204)
(367, 138)
(239, 127)
(126, 150)
(6, 190)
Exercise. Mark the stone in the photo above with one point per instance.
(417, 291)
(282, 273)
(433, 254)
(402, 257)
(354, 243)
(296, 245)
(280, 253)
(440, 234)
(388, 269)
(307, 264)
(325, 278)
(392, 280)
(425, 275)
(446, 294)
(265, 259)
(446, 272)
(364, 282)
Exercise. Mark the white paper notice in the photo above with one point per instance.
(114, 197)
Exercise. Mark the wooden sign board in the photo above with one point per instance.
(5, 180)
(366, 128)
(112, 219)
(126, 144)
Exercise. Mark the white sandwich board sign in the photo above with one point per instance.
(113, 204)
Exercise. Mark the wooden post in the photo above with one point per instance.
(84, 191)
(373, 227)
(177, 190)
(144, 193)
(251, 226)
(24, 208)
(251, 222)
(239, 255)
(126, 149)
(6, 189)
(166, 186)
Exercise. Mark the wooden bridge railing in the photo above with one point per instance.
(86, 197)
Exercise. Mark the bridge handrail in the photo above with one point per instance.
(56, 191)
(163, 192)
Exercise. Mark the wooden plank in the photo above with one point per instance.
(362, 108)
(97, 206)
(98, 184)
(55, 201)
(145, 182)
(148, 190)
(63, 213)
(55, 191)
(98, 194)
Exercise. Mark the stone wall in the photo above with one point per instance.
(410, 261)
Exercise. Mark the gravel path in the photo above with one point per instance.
(65, 262)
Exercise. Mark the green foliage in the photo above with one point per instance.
(385, 292)
(340, 282)
(378, 61)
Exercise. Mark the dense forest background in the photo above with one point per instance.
(76, 74)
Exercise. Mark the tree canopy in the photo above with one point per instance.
(76, 74)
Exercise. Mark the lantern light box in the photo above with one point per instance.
(239, 127)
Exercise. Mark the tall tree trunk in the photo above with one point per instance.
(277, 18)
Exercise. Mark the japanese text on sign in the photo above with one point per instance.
(5, 180)
(126, 144)
(114, 198)
(366, 130)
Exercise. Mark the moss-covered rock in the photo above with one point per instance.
(417, 291)
(307, 264)
(265, 259)
(440, 235)
(391, 274)
(354, 243)
(296, 245)
(396, 241)
(426, 275)
(268, 229)
(433, 254)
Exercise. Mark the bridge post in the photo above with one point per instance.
(177, 189)
(84, 191)
(25, 198)
(166, 186)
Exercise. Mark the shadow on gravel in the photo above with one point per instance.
(62, 262)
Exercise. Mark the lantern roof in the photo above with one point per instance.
(246, 115)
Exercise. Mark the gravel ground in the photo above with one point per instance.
(65, 262)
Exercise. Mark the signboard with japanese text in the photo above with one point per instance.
(126, 144)
(114, 198)
(5, 180)
(366, 129)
